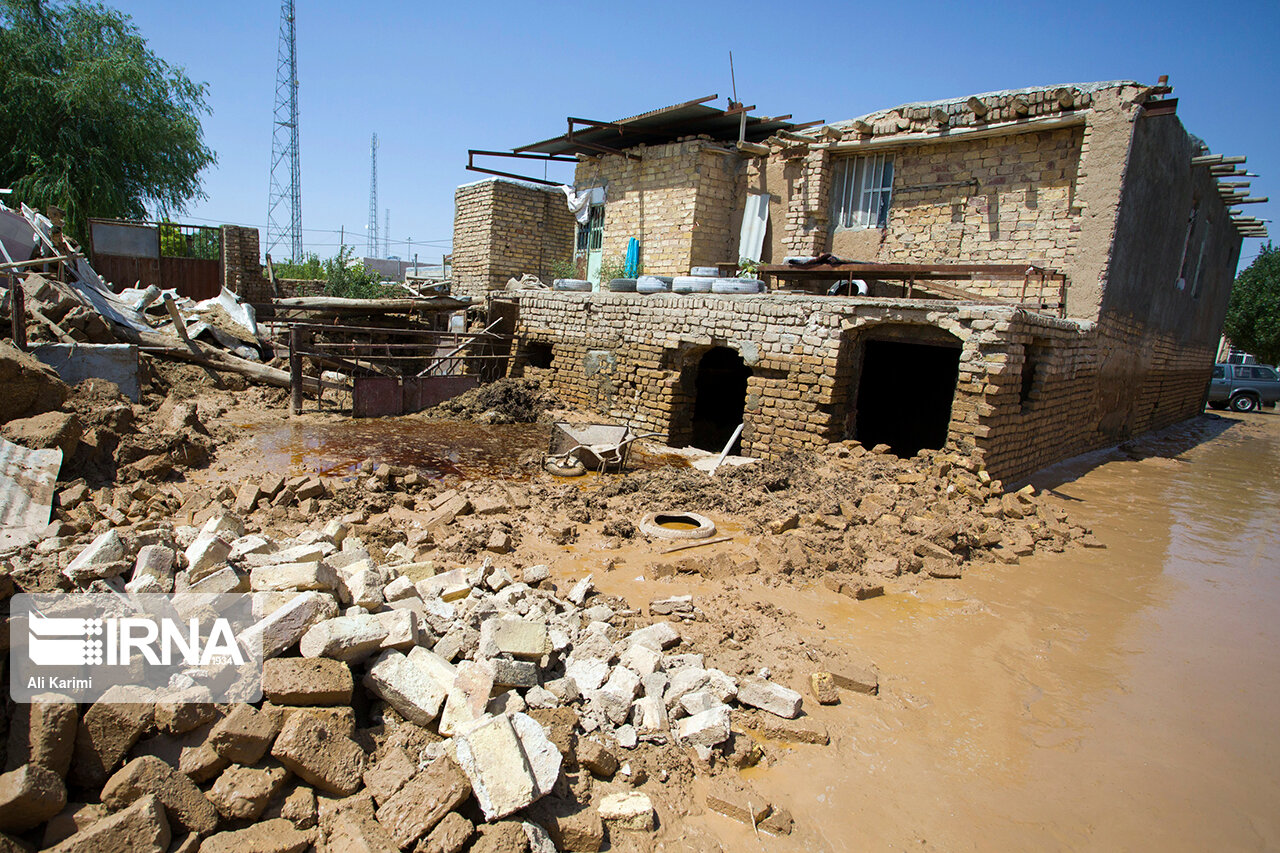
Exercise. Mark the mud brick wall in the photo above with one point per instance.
(679, 201)
(242, 265)
(289, 287)
(1031, 390)
(504, 229)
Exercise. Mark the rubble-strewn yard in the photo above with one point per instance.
(446, 667)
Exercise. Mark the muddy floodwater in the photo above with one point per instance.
(1117, 699)
(436, 449)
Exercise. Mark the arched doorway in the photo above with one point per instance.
(905, 390)
(720, 399)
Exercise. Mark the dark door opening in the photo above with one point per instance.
(721, 399)
(904, 395)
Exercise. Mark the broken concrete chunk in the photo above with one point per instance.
(285, 626)
(399, 589)
(709, 728)
(581, 590)
(857, 679)
(299, 576)
(589, 674)
(43, 732)
(628, 810)
(407, 686)
(140, 828)
(739, 803)
(514, 673)
(404, 630)
(157, 561)
(450, 835)
(823, 686)
(520, 638)
(29, 796)
(220, 581)
(307, 681)
(320, 755)
(244, 735)
(105, 550)
(424, 801)
(206, 554)
(390, 774)
(185, 710)
(242, 793)
(107, 732)
(347, 638)
(270, 836)
(770, 696)
(468, 696)
(658, 636)
(596, 758)
(182, 800)
(492, 756)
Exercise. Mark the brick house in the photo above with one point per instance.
(1047, 272)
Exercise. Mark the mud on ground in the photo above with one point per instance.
(849, 523)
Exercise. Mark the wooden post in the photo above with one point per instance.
(295, 369)
(911, 288)
(1062, 295)
(1026, 278)
(17, 314)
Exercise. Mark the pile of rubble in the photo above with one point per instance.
(102, 435)
(404, 710)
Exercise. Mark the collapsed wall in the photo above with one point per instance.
(1016, 389)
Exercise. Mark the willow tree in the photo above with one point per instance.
(90, 119)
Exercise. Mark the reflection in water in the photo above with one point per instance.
(435, 449)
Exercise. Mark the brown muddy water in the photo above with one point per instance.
(1125, 698)
(436, 449)
(1117, 699)
(338, 447)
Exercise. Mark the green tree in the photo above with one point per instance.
(90, 119)
(1253, 315)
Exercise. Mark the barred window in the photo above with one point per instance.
(861, 189)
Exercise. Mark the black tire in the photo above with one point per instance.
(1243, 403)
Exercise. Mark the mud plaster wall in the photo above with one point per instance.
(635, 357)
(679, 201)
(1048, 197)
(502, 230)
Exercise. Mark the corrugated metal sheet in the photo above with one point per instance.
(27, 479)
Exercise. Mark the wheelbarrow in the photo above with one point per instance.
(575, 448)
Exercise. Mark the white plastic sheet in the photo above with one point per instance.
(754, 221)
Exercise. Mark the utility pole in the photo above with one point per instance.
(284, 188)
(371, 247)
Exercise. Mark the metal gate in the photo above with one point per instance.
(187, 258)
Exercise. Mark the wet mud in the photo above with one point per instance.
(1097, 699)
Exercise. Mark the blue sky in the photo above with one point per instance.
(436, 79)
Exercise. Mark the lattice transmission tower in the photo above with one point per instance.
(371, 250)
(284, 197)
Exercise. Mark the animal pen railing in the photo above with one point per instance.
(397, 371)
